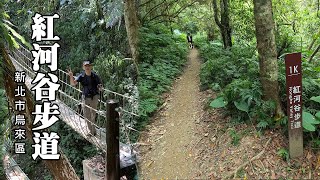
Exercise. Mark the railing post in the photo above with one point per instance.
(112, 130)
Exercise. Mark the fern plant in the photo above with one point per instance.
(162, 57)
(310, 121)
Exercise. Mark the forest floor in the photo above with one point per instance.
(186, 140)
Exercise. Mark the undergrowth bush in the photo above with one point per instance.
(162, 56)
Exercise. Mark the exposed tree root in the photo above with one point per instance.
(234, 173)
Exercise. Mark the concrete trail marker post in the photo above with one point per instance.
(294, 103)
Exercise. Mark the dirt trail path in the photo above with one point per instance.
(170, 139)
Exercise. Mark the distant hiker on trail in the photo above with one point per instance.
(91, 86)
(189, 38)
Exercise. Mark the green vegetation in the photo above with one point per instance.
(284, 154)
(3, 119)
(236, 137)
(32, 168)
(162, 57)
(235, 74)
(74, 146)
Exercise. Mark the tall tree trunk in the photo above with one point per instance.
(266, 45)
(132, 27)
(60, 169)
(224, 23)
(99, 10)
(314, 53)
(210, 33)
(314, 39)
(312, 43)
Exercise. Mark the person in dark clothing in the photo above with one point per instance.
(91, 86)
(189, 39)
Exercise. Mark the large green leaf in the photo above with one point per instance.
(309, 121)
(318, 115)
(5, 15)
(263, 124)
(218, 103)
(18, 36)
(242, 106)
(315, 98)
(14, 42)
(5, 33)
